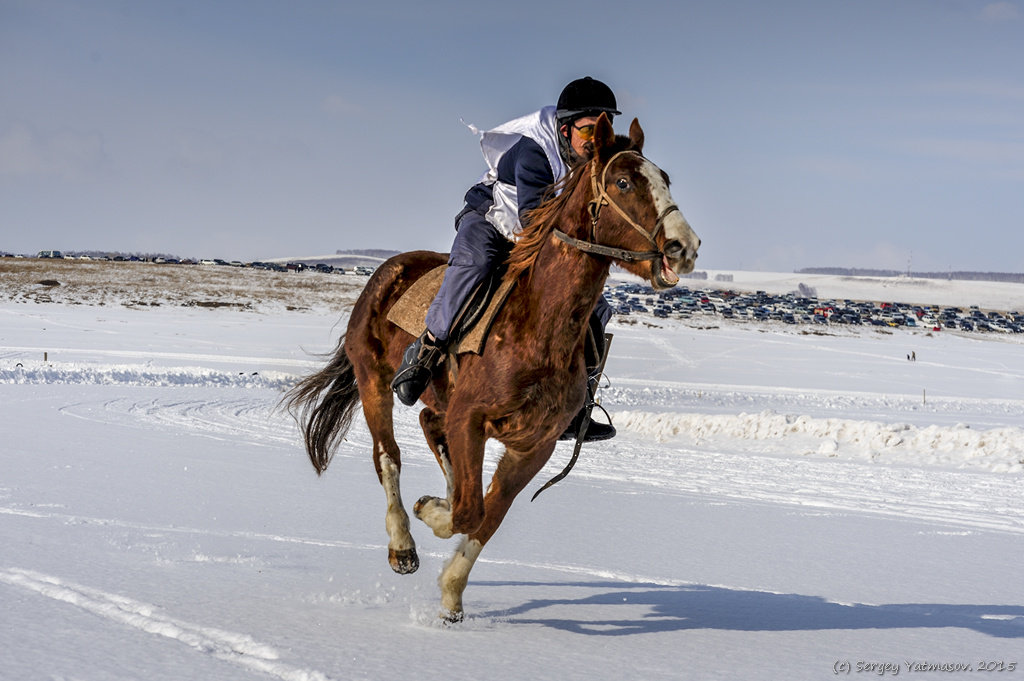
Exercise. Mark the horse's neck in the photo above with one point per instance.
(572, 278)
(562, 290)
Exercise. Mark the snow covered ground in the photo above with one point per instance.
(779, 504)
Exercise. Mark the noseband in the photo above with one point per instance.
(601, 199)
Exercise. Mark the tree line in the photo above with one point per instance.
(1011, 277)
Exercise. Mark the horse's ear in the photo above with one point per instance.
(604, 135)
(636, 136)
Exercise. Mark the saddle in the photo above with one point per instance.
(471, 326)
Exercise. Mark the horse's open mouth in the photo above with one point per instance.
(664, 275)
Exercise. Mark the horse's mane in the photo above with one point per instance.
(542, 220)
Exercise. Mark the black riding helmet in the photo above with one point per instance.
(585, 97)
(580, 98)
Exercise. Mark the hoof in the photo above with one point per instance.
(450, 617)
(404, 562)
(437, 515)
(428, 501)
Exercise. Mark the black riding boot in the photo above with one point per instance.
(596, 431)
(420, 362)
(594, 351)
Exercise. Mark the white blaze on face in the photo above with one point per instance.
(659, 188)
(676, 228)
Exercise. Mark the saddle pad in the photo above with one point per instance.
(410, 311)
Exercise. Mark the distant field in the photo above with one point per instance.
(133, 284)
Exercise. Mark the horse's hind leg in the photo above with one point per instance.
(377, 407)
(401, 546)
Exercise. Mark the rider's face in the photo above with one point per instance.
(582, 145)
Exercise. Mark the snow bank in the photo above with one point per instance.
(38, 372)
(996, 449)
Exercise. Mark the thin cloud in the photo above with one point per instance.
(339, 106)
(992, 89)
(999, 12)
(990, 153)
(68, 154)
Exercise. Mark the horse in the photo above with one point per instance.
(528, 382)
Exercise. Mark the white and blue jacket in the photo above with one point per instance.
(523, 160)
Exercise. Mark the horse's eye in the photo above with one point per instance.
(622, 183)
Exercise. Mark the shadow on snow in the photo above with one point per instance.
(675, 608)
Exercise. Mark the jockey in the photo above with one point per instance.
(525, 157)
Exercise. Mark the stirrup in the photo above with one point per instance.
(596, 431)
(583, 419)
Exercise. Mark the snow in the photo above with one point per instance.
(778, 504)
(904, 289)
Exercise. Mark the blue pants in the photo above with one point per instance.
(477, 250)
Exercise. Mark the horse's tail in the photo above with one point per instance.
(323, 405)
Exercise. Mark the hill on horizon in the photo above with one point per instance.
(343, 258)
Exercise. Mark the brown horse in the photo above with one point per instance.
(530, 379)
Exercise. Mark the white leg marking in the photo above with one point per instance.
(446, 466)
(455, 575)
(396, 520)
(437, 514)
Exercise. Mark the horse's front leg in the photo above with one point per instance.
(463, 509)
(455, 577)
(514, 471)
(436, 512)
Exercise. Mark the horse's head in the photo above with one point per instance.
(645, 231)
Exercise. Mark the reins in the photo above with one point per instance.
(600, 199)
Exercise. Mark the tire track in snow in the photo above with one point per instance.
(148, 355)
(738, 466)
(71, 519)
(975, 500)
(852, 483)
(233, 647)
(256, 420)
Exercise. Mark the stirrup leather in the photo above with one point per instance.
(592, 380)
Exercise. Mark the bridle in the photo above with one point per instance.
(601, 199)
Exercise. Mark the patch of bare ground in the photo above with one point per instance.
(143, 285)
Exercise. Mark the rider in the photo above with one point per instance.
(525, 157)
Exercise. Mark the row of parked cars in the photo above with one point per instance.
(272, 266)
(293, 267)
(631, 298)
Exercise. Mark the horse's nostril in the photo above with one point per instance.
(673, 249)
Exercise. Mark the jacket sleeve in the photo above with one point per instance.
(529, 170)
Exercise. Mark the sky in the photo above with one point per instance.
(872, 134)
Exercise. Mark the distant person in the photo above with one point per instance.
(524, 157)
